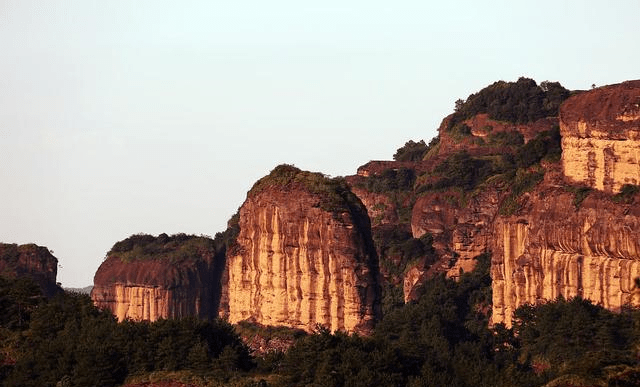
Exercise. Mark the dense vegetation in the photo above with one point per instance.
(517, 171)
(518, 102)
(66, 341)
(398, 251)
(415, 151)
(400, 179)
(333, 194)
(443, 339)
(175, 248)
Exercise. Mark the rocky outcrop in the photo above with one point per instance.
(554, 250)
(484, 134)
(462, 229)
(560, 246)
(31, 261)
(380, 207)
(148, 278)
(601, 137)
(304, 256)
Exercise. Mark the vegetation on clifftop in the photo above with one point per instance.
(333, 193)
(174, 248)
(518, 102)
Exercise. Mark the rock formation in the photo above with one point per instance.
(554, 250)
(461, 232)
(32, 261)
(551, 248)
(147, 278)
(304, 256)
(601, 137)
(547, 242)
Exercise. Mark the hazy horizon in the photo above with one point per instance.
(125, 117)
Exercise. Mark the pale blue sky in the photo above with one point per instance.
(119, 117)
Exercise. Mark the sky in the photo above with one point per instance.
(124, 117)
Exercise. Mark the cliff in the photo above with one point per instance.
(601, 137)
(31, 261)
(515, 186)
(553, 249)
(567, 239)
(147, 278)
(304, 256)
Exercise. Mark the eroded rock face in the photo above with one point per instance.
(460, 230)
(32, 261)
(554, 250)
(150, 287)
(601, 137)
(297, 264)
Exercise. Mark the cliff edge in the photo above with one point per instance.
(304, 256)
(148, 278)
(33, 261)
(578, 234)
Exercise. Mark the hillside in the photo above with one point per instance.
(505, 251)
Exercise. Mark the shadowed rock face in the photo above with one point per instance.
(176, 281)
(31, 261)
(601, 137)
(301, 261)
(464, 231)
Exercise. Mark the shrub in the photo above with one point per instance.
(626, 194)
(400, 179)
(411, 151)
(519, 102)
(511, 138)
(175, 248)
(334, 193)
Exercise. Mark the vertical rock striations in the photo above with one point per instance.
(559, 245)
(554, 250)
(147, 278)
(601, 137)
(304, 256)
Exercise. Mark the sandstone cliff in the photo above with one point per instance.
(304, 256)
(482, 190)
(551, 250)
(147, 278)
(32, 261)
(601, 137)
(559, 245)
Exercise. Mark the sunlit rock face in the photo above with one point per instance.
(557, 246)
(31, 261)
(554, 250)
(154, 287)
(601, 137)
(298, 264)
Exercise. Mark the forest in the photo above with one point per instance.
(443, 339)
